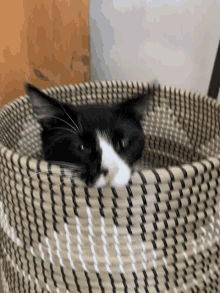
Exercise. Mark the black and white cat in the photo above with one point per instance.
(100, 143)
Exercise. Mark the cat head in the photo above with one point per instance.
(99, 143)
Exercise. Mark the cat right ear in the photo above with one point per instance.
(135, 107)
(44, 107)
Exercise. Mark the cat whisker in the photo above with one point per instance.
(69, 116)
(59, 184)
(32, 176)
(68, 166)
(76, 170)
(65, 129)
(73, 168)
(66, 123)
(80, 126)
(41, 172)
(46, 175)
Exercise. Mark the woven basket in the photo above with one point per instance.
(160, 234)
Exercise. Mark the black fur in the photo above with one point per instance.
(69, 135)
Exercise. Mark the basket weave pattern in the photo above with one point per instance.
(159, 234)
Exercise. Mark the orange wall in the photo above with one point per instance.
(45, 42)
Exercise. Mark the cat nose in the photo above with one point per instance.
(104, 172)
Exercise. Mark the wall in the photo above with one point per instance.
(172, 41)
(45, 42)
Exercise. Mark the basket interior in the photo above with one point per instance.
(180, 127)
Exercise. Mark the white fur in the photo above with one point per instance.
(119, 172)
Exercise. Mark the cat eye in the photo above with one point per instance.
(81, 147)
(84, 149)
(122, 144)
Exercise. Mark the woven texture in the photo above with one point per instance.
(160, 234)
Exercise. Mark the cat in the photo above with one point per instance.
(100, 143)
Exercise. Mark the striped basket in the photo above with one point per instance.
(159, 234)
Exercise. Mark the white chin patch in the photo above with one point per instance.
(100, 182)
(119, 172)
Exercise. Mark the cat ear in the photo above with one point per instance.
(44, 107)
(137, 106)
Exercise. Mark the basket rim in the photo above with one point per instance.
(152, 175)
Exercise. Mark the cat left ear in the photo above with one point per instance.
(44, 107)
(137, 106)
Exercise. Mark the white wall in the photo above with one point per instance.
(172, 41)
